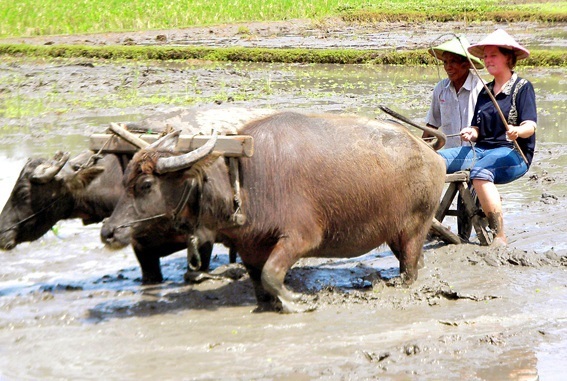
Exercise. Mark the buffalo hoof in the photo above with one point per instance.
(146, 280)
(408, 278)
(285, 306)
(289, 307)
(397, 282)
(291, 296)
(499, 242)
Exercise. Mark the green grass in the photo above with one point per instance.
(52, 17)
(321, 56)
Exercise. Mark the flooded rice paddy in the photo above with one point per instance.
(70, 309)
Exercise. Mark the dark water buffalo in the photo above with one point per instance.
(88, 187)
(317, 185)
(49, 190)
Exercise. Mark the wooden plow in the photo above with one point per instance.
(468, 212)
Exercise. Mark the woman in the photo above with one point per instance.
(493, 158)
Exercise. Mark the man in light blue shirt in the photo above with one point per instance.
(454, 98)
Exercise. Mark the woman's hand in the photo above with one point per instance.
(513, 133)
(469, 134)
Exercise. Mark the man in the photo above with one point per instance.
(454, 97)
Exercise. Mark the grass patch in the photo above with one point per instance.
(54, 17)
(266, 55)
(449, 10)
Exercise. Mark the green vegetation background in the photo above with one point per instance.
(28, 18)
(51, 17)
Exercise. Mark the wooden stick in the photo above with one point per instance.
(440, 135)
(127, 135)
(492, 99)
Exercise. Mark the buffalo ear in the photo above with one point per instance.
(167, 143)
(83, 178)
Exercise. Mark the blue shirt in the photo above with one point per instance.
(491, 129)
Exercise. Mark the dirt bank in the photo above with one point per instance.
(332, 33)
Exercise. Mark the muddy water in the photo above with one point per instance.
(69, 309)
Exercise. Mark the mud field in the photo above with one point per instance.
(71, 309)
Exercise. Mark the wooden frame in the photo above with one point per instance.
(468, 213)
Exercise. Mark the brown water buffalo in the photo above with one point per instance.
(317, 185)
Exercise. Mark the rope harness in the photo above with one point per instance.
(183, 200)
(236, 218)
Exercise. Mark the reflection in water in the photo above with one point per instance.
(517, 365)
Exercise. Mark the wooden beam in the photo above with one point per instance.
(461, 176)
(228, 145)
(446, 234)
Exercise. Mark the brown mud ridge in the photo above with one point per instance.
(329, 34)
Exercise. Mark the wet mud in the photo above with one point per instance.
(71, 309)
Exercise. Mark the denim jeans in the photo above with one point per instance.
(498, 165)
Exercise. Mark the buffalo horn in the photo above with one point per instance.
(176, 163)
(45, 172)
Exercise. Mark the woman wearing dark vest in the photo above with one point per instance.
(493, 158)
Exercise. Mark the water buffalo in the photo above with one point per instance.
(317, 185)
(165, 237)
(88, 186)
(49, 190)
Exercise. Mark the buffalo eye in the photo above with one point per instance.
(22, 192)
(144, 186)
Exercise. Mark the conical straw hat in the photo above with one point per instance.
(502, 39)
(456, 46)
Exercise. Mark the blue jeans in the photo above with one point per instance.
(498, 165)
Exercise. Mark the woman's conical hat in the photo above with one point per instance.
(501, 39)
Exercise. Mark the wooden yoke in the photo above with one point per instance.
(227, 145)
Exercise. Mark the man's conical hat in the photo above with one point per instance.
(456, 46)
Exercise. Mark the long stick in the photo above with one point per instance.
(128, 136)
(440, 135)
(493, 100)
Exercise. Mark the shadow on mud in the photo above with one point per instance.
(311, 277)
